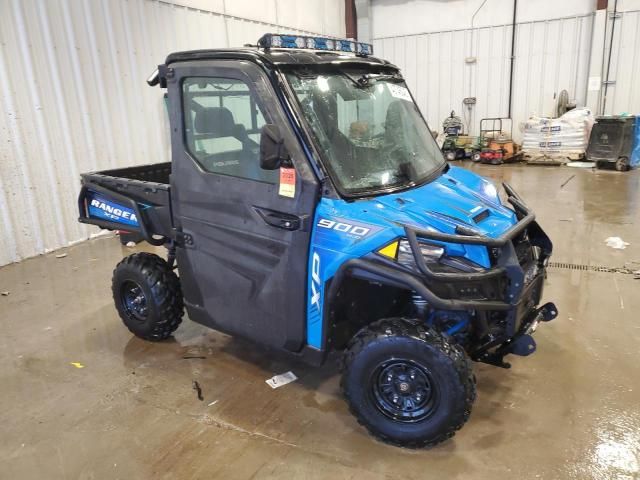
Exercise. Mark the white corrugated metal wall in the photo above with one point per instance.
(624, 94)
(551, 55)
(74, 97)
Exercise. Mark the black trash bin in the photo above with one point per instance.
(611, 142)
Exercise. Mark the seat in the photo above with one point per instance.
(393, 125)
(221, 144)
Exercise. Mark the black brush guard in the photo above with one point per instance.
(520, 302)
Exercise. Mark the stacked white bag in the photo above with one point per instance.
(566, 136)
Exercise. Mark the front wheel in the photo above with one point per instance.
(407, 384)
(147, 295)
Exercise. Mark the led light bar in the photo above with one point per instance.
(280, 40)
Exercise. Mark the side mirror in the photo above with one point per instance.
(273, 152)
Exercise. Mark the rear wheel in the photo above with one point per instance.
(407, 384)
(147, 296)
(450, 155)
(475, 156)
(622, 164)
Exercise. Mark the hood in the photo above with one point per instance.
(458, 197)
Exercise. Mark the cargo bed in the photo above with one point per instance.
(133, 199)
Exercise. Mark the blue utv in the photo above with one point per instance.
(307, 207)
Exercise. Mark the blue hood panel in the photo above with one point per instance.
(344, 230)
(455, 198)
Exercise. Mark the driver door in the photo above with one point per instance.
(243, 263)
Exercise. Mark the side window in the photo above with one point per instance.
(223, 119)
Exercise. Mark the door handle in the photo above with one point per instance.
(285, 221)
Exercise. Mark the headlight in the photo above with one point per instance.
(434, 255)
(431, 253)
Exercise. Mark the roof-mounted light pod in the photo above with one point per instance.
(277, 40)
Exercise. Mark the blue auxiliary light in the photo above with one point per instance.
(278, 40)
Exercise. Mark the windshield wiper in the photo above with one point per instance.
(366, 80)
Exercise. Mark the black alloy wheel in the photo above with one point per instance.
(404, 390)
(134, 301)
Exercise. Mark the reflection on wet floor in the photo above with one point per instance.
(617, 451)
(571, 411)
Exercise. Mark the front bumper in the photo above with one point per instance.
(522, 343)
(519, 284)
(507, 266)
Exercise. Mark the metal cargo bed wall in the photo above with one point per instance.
(551, 55)
(74, 98)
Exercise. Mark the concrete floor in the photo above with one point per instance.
(569, 411)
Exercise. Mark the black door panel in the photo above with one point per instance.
(248, 258)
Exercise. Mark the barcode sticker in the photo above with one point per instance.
(287, 182)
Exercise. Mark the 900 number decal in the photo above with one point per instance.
(354, 230)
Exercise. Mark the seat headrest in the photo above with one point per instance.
(215, 121)
(394, 114)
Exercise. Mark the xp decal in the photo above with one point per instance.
(315, 298)
(101, 208)
(315, 281)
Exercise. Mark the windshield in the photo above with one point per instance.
(368, 128)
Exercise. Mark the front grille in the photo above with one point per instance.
(524, 250)
(527, 256)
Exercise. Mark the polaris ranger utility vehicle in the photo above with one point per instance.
(307, 207)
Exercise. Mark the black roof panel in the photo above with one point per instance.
(280, 57)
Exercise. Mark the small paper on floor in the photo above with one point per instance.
(616, 242)
(282, 379)
(62, 255)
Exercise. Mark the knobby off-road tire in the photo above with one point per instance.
(430, 375)
(147, 296)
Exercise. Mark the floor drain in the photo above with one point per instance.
(590, 268)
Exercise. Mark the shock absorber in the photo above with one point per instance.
(420, 304)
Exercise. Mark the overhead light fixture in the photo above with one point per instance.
(281, 40)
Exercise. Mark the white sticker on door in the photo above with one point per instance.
(287, 182)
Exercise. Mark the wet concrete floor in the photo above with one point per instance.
(571, 411)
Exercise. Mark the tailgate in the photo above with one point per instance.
(116, 203)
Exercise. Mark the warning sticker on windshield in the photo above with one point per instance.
(400, 91)
(287, 182)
